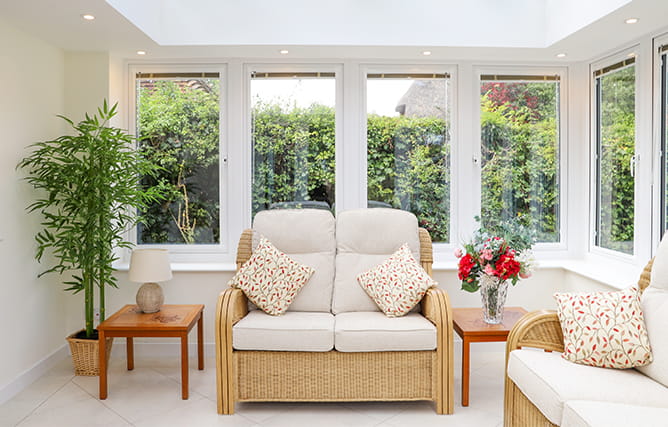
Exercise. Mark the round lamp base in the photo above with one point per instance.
(150, 297)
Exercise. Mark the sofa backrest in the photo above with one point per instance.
(654, 303)
(307, 236)
(364, 239)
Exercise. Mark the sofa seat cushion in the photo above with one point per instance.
(364, 239)
(548, 381)
(308, 237)
(373, 331)
(293, 331)
(585, 413)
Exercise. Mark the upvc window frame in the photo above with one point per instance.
(441, 249)
(643, 151)
(660, 147)
(189, 253)
(541, 249)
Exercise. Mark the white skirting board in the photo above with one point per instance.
(142, 349)
(27, 377)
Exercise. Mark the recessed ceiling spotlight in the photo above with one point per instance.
(88, 17)
(141, 52)
(561, 55)
(631, 20)
(284, 51)
(426, 52)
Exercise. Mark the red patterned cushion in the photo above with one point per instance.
(271, 279)
(397, 284)
(604, 329)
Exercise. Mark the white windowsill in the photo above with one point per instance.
(614, 274)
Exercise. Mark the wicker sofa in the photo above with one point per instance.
(333, 344)
(542, 389)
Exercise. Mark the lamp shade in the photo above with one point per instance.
(150, 265)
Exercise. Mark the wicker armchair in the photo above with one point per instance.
(542, 330)
(246, 376)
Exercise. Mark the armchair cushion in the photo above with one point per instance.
(308, 237)
(271, 279)
(293, 331)
(586, 413)
(397, 284)
(549, 381)
(364, 239)
(373, 331)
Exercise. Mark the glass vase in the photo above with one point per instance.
(493, 292)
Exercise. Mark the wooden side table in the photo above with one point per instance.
(171, 321)
(470, 327)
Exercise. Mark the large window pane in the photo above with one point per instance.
(293, 134)
(519, 128)
(178, 128)
(408, 147)
(615, 117)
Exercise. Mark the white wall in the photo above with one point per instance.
(32, 310)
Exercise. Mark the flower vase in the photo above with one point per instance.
(493, 292)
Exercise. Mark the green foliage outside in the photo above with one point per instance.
(617, 146)
(293, 155)
(408, 167)
(520, 156)
(178, 129)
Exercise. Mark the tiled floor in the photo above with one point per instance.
(151, 395)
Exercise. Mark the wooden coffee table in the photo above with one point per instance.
(470, 327)
(171, 321)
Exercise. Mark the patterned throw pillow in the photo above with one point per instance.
(397, 284)
(604, 329)
(271, 279)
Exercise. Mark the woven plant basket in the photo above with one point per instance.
(85, 355)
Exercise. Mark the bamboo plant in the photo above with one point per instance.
(88, 195)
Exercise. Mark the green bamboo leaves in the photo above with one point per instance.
(88, 196)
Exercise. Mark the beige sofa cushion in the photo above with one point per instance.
(307, 236)
(293, 331)
(549, 381)
(373, 331)
(364, 239)
(586, 413)
(654, 302)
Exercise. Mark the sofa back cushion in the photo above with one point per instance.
(364, 239)
(654, 303)
(307, 236)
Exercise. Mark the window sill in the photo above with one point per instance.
(216, 267)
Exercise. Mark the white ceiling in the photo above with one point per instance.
(515, 30)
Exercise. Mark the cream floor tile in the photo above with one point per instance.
(199, 413)
(425, 416)
(259, 412)
(139, 394)
(322, 415)
(21, 405)
(71, 407)
(202, 382)
(381, 411)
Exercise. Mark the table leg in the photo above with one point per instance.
(102, 349)
(466, 367)
(130, 350)
(184, 366)
(200, 342)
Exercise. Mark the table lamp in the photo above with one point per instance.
(149, 266)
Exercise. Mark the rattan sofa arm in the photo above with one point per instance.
(436, 307)
(232, 306)
(538, 329)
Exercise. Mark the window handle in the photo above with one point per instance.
(632, 165)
